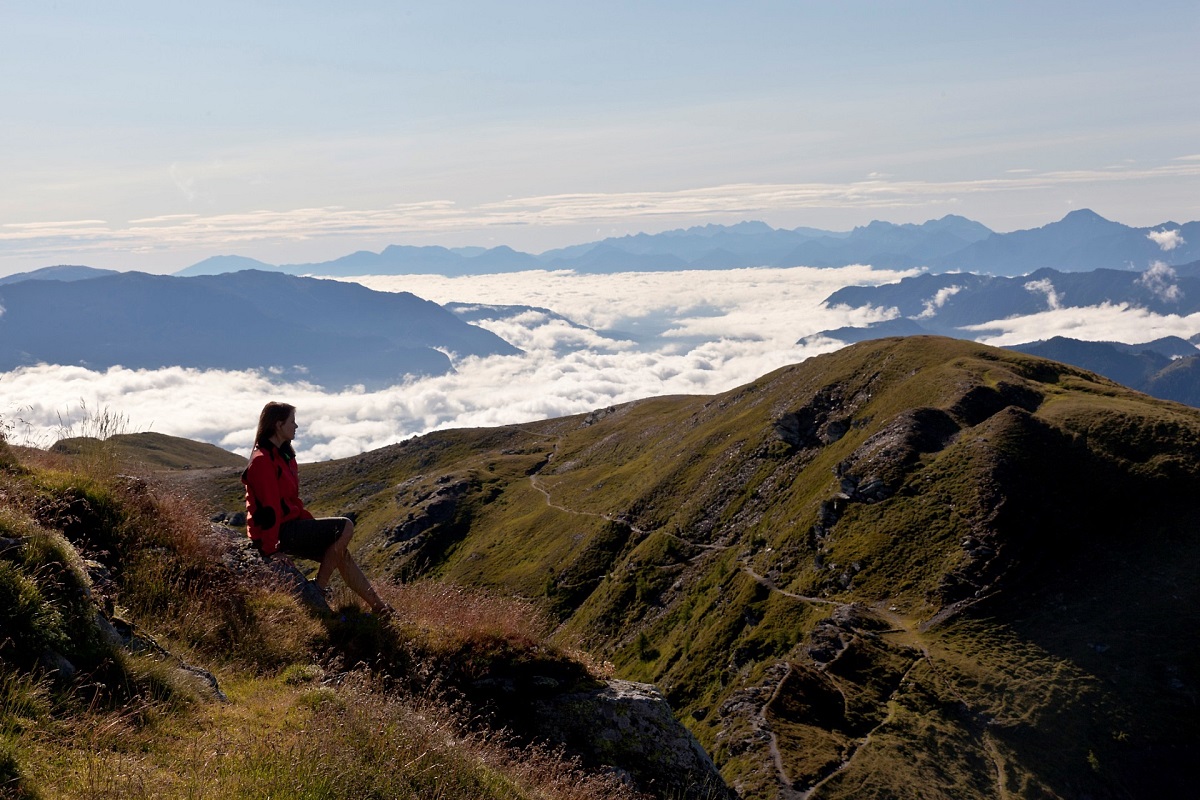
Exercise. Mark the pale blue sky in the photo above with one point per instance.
(151, 135)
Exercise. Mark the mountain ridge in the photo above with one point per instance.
(874, 574)
(946, 303)
(1081, 240)
(329, 332)
(61, 272)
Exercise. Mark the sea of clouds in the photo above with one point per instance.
(602, 340)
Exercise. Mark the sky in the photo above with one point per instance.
(151, 135)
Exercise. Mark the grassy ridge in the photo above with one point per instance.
(149, 451)
(978, 552)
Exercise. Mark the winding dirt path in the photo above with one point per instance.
(785, 783)
(905, 629)
(767, 582)
(866, 740)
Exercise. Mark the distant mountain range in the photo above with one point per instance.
(62, 272)
(338, 334)
(331, 333)
(946, 303)
(1166, 368)
(1082, 240)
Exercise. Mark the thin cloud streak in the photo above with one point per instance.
(442, 216)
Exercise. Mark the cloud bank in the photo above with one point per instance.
(669, 333)
(646, 334)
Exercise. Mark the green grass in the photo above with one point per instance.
(149, 451)
(276, 739)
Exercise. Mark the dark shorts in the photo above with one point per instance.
(310, 538)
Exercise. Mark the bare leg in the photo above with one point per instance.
(334, 555)
(338, 557)
(356, 580)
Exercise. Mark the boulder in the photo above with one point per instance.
(631, 725)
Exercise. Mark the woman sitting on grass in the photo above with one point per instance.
(276, 519)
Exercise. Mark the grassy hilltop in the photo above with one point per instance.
(915, 567)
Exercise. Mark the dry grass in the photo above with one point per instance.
(349, 738)
(468, 612)
(297, 724)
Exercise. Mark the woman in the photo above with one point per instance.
(276, 518)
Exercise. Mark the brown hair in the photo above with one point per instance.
(272, 414)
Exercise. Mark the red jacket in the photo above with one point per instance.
(272, 482)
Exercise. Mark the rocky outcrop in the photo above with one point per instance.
(240, 556)
(631, 725)
(822, 421)
(428, 509)
(130, 637)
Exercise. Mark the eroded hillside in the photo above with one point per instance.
(915, 567)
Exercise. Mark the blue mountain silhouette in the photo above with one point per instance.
(1082, 240)
(331, 333)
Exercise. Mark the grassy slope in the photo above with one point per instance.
(150, 451)
(300, 720)
(694, 545)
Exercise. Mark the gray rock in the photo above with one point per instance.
(239, 555)
(124, 634)
(309, 593)
(57, 665)
(631, 725)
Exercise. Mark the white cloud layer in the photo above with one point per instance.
(701, 332)
(1103, 323)
(686, 333)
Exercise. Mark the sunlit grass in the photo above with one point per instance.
(295, 738)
